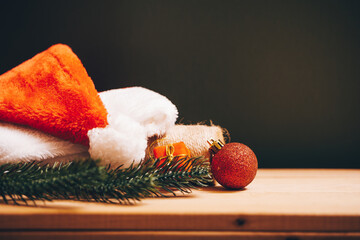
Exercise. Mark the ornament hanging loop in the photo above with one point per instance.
(215, 146)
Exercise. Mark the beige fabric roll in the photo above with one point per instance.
(195, 138)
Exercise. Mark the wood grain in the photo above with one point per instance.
(176, 235)
(283, 200)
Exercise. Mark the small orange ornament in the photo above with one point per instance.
(171, 151)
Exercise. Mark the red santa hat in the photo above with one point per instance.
(53, 93)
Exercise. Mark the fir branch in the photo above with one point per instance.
(33, 181)
(184, 175)
(86, 180)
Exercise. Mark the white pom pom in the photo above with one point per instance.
(122, 142)
(153, 111)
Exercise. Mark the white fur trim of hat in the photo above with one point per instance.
(134, 115)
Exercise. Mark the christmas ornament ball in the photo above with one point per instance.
(234, 166)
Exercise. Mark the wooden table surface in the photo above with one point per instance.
(278, 204)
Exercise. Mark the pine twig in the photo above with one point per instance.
(87, 180)
(33, 181)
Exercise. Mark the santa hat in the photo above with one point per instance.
(53, 93)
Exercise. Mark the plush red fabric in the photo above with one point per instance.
(52, 92)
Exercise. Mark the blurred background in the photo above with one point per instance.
(282, 76)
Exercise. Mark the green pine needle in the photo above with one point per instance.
(87, 180)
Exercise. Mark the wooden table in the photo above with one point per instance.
(280, 204)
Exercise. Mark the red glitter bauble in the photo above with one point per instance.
(234, 166)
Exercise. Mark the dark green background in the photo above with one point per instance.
(281, 76)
